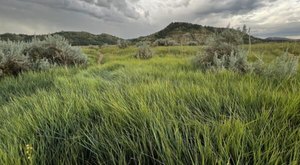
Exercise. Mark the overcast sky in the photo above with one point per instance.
(133, 18)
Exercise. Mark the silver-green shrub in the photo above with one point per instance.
(17, 57)
(284, 66)
(235, 62)
(12, 61)
(144, 52)
(122, 44)
(141, 43)
(223, 51)
(165, 42)
(193, 43)
(57, 50)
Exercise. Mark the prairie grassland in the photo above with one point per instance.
(157, 111)
(270, 50)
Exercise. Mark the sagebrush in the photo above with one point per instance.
(283, 66)
(165, 42)
(122, 44)
(225, 51)
(144, 52)
(17, 57)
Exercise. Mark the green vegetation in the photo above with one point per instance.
(122, 44)
(188, 34)
(176, 33)
(267, 51)
(75, 38)
(17, 57)
(165, 42)
(144, 52)
(224, 51)
(156, 111)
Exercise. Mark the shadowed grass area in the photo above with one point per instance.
(157, 111)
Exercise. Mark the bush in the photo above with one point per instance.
(192, 43)
(16, 57)
(235, 62)
(64, 53)
(144, 52)
(224, 44)
(165, 42)
(223, 52)
(284, 66)
(141, 43)
(12, 61)
(122, 44)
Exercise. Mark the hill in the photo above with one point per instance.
(186, 32)
(85, 38)
(178, 32)
(280, 39)
(75, 38)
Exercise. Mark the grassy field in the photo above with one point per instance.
(157, 111)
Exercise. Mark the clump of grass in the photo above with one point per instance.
(144, 52)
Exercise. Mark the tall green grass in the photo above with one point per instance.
(157, 111)
(270, 50)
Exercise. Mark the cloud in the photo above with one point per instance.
(232, 6)
(110, 10)
(122, 6)
(131, 18)
(266, 18)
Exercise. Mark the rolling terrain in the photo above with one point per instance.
(75, 38)
(180, 32)
(158, 111)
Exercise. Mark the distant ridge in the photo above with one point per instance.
(75, 38)
(191, 33)
(180, 32)
(277, 39)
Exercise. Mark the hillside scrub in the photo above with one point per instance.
(17, 57)
(225, 51)
(165, 42)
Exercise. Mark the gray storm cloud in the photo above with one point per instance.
(110, 10)
(131, 18)
(232, 6)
